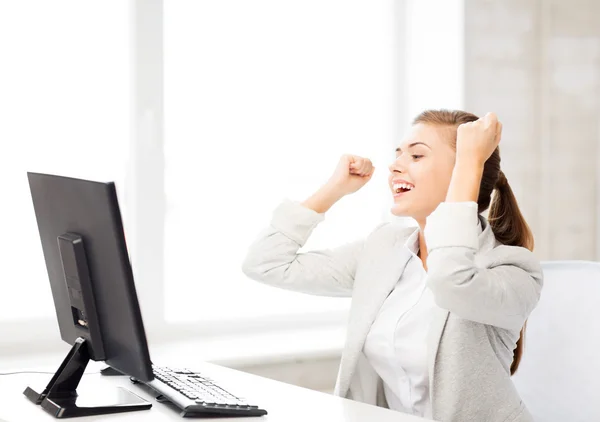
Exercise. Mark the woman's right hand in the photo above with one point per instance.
(351, 174)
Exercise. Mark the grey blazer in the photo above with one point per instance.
(484, 290)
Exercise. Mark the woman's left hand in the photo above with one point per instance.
(477, 140)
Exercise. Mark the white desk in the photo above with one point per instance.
(284, 402)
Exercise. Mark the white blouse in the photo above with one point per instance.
(396, 345)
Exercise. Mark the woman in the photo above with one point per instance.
(438, 312)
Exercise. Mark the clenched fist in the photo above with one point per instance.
(351, 174)
(476, 141)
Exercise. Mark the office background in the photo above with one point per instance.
(208, 113)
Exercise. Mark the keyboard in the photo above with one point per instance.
(198, 395)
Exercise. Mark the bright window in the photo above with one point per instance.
(64, 102)
(261, 99)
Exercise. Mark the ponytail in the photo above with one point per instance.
(510, 228)
(507, 222)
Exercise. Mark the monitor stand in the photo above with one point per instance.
(60, 397)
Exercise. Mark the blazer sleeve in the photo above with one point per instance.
(274, 257)
(501, 290)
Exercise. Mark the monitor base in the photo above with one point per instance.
(60, 397)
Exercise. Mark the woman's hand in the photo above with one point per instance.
(476, 141)
(351, 173)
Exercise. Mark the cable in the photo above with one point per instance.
(39, 372)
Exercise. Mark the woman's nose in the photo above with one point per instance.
(395, 167)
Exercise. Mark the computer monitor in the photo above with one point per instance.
(92, 285)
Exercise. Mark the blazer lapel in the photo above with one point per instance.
(374, 282)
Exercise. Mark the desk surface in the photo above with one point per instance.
(284, 402)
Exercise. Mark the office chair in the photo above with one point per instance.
(559, 376)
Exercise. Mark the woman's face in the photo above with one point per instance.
(420, 174)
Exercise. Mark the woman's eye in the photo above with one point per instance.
(416, 157)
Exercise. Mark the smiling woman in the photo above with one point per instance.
(427, 303)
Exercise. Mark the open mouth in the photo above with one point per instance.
(399, 188)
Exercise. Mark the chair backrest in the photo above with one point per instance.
(559, 376)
